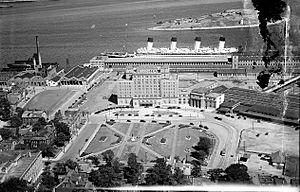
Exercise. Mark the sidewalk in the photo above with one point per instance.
(65, 148)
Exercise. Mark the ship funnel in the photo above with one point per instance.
(38, 52)
(173, 43)
(221, 43)
(149, 43)
(197, 43)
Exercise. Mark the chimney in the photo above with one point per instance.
(149, 43)
(173, 43)
(38, 52)
(221, 43)
(197, 43)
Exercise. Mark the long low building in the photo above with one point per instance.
(267, 106)
(81, 76)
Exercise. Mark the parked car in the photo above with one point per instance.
(142, 120)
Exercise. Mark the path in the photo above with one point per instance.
(151, 151)
(144, 125)
(126, 137)
(174, 144)
(152, 133)
(114, 129)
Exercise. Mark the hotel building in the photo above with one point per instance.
(148, 85)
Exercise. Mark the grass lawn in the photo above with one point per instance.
(183, 144)
(136, 130)
(96, 145)
(144, 155)
(49, 100)
(127, 150)
(122, 127)
(150, 127)
(162, 149)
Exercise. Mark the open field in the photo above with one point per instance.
(271, 139)
(97, 144)
(49, 100)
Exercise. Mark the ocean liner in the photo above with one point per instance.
(199, 58)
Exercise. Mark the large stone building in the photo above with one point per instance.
(148, 85)
(206, 98)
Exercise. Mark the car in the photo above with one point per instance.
(122, 114)
(147, 115)
(232, 116)
(205, 127)
(159, 115)
(178, 107)
(179, 115)
(157, 107)
(129, 114)
(191, 123)
(142, 120)
(86, 140)
(201, 110)
(223, 153)
(152, 115)
(116, 114)
(153, 121)
(136, 114)
(128, 120)
(170, 115)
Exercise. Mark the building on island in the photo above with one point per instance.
(147, 85)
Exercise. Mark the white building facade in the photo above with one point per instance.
(148, 85)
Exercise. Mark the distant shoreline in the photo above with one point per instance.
(16, 1)
(158, 28)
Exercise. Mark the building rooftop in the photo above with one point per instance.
(24, 75)
(81, 72)
(231, 71)
(5, 76)
(28, 114)
(214, 95)
(56, 78)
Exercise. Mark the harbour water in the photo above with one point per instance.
(79, 30)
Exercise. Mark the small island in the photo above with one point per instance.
(233, 18)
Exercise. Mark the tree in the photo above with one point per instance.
(217, 175)
(95, 160)
(15, 185)
(133, 170)
(19, 111)
(6, 134)
(179, 177)
(105, 176)
(196, 171)
(15, 121)
(58, 116)
(60, 139)
(235, 173)
(37, 126)
(42, 121)
(160, 174)
(48, 180)
(108, 157)
(238, 173)
(47, 150)
(5, 109)
(62, 127)
(71, 164)
(59, 169)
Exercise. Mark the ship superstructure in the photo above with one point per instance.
(204, 59)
